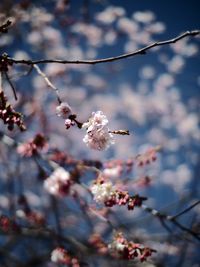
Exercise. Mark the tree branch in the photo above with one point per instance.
(141, 51)
(162, 217)
(186, 210)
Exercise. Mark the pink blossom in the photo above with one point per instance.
(98, 135)
(63, 110)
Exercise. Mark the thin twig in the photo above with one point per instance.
(141, 51)
(11, 85)
(186, 210)
(46, 79)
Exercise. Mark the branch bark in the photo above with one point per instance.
(141, 51)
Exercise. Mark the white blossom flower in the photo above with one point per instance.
(58, 182)
(116, 245)
(98, 135)
(102, 191)
(113, 172)
(58, 255)
(63, 110)
(98, 119)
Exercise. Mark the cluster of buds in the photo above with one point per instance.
(61, 256)
(8, 225)
(148, 157)
(64, 111)
(105, 192)
(120, 165)
(114, 168)
(5, 62)
(9, 116)
(32, 147)
(59, 182)
(120, 247)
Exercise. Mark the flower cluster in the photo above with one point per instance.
(59, 182)
(102, 191)
(33, 146)
(61, 256)
(98, 135)
(105, 192)
(9, 115)
(120, 247)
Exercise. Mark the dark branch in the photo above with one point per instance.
(4, 27)
(163, 217)
(141, 51)
(186, 210)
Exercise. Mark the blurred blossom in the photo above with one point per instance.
(35, 38)
(110, 14)
(113, 172)
(91, 32)
(189, 126)
(130, 46)
(58, 183)
(183, 48)
(51, 35)
(127, 26)
(55, 69)
(133, 103)
(40, 17)
(4, 202)
(147, 72)
(143, 16)
(110, 37)
(19, 54)
(164, 80)
(177, 179)
(156, 28)
(157, 136)
(94, 81)
(176, 64)
(6, 40)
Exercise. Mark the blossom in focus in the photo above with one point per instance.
(102, 191)
(98, 135)
(58, 183)
(63, 110)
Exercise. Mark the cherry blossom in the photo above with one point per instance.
(98, 135)
(58, 183)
